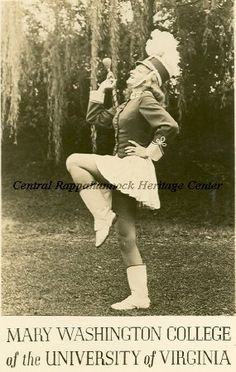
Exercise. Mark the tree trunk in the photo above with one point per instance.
(56, 91)
(142, 25)
(12, 50)
(114, 32)
(95, 23)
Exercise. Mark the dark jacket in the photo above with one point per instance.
(140, 119)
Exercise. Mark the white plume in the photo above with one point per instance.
(163, 45)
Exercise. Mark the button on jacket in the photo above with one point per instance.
(141, 119)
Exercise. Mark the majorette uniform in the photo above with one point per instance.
(143, 120)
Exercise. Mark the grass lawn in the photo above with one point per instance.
(51, 267)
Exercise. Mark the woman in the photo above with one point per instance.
(142, 127)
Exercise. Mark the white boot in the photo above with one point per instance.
(107, 194)
(137, 279)
(100, 207)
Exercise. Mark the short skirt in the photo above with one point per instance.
(131, 175)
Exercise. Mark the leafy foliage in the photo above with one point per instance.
(12, 47)
(52, 53)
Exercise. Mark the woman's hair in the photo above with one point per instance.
(151, 84)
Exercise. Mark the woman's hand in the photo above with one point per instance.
(136, 150)
(109, 83)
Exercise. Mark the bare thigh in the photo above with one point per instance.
(86, 162)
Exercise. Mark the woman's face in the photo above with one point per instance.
(137, 76)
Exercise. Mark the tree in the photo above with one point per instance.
(13, 47)
(52, 53)
(205, 34)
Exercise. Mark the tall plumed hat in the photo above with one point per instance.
(163, 55)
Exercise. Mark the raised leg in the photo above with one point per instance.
(83, 170)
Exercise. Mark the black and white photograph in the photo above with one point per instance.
(117, 159)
